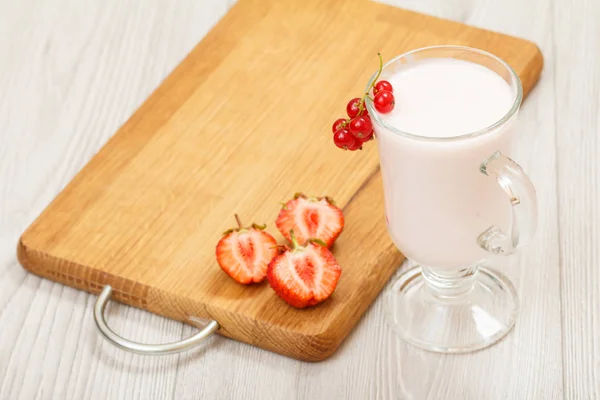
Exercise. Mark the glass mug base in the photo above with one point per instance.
(451, 313)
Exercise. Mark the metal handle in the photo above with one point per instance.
(147, 349)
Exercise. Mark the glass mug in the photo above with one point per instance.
(451, 202)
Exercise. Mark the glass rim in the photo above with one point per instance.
(509, 114)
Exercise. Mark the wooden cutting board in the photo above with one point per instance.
(241, 125)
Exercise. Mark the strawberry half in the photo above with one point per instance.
(311, 218)
(244, 253)
(304, 275)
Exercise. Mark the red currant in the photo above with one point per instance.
(339, 123)
(344, 139)
(367, 137)
(382, 85)
(384, 101)
(353, 107)
(360, 126)
(356, 145)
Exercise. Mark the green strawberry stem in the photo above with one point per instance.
(295, 244)
(239, 221)
(318, 241)
(361, 106)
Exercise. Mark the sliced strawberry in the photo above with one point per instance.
(304, 275)
(244, 253)
(311, 218)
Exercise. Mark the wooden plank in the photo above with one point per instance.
(577, 110)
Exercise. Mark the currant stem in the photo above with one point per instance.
(361, 106)
(378, 72)
(239, 221)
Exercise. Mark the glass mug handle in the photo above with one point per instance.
(523, 201)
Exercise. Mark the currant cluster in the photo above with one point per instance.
(350, 133)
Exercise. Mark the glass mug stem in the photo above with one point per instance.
(444, 285)
(523, 202)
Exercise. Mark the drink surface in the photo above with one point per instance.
(437, 200)
(446, 97)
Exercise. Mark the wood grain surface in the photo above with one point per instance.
(144, 215)
(72, 73)
(577, 103)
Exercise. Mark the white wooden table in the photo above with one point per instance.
(72, 71)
